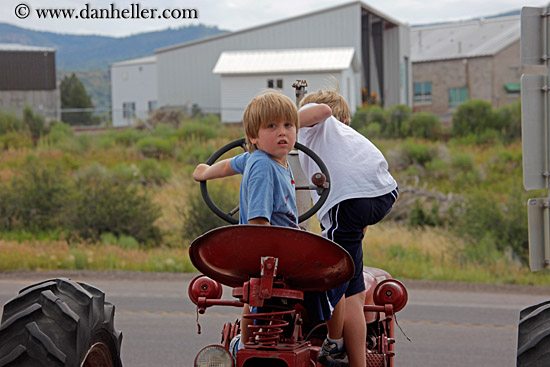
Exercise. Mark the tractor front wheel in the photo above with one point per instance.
(62, 323)
(534, 336)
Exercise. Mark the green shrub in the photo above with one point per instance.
(34, 123)
(128, 137)
(425, 126)
(501, 226)
(509, 121)
(34, 199)
(398, 126)
(462, 161)
(154, 172)
(154, 147)
(474, 117)
(9, 122)
(197, 218)
(372, 131)
(104, 205)
(197, 131)
(417, 153)
(420, 217)
(164, 131)
(364, 117)
(15, 140)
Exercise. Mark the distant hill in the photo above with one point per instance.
(84, 52)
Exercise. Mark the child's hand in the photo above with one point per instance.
(200, 172)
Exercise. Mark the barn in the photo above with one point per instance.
(28, 78)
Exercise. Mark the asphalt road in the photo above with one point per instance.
(448, 324)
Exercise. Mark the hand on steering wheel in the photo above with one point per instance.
(321, 186)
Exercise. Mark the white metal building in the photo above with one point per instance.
(245, 74)
(133, 90)
(381, 45)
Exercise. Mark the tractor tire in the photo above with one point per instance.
(534, 336)
(59, 322)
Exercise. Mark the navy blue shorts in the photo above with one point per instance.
(348, 219)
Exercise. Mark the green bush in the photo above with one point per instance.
(425, 126)
(416, 153)
(104, 205)
(509, 121)
(197, 131)
(154, 147)
(128, 137)
(374, 130)
(197, 218)
(420, 217)
(462, 161)
(364, 117)
(34, 199)
(398, 126)
(34, 123)
(497, 225)
(15, 140)
(154, 172)
(9, 122)
(474, 117)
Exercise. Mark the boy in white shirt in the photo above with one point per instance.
(362, 193)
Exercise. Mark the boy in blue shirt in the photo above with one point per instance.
(267, 194)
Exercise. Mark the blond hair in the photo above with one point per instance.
(267, 108)
(334, 100)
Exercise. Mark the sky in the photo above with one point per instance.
(229, 15)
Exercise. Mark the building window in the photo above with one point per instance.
(457, 96)
(151, 106)
(272, 83)
(128, 110)
(423, 93)
(512, 89)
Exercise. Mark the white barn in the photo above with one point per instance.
(245, 74)
(133, 90)
(381, 45)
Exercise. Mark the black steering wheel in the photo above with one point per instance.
(323, 187)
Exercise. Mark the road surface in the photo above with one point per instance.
(448, 324)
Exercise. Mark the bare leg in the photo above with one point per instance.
(355, 330)
(335, 325)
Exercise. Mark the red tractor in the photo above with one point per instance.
(271, 267)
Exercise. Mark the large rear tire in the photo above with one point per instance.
(534, 336)
(59, 322)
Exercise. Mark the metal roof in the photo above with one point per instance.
(24, 48)
(138, 61)
(474, 38)
(278, 61)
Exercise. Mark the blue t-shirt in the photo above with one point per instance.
(267, 190)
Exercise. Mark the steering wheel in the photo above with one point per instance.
(322, 186)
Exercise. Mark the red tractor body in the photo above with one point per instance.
(270, 268)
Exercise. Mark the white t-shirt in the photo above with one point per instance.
(357, 168)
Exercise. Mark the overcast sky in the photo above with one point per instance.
(236, 14)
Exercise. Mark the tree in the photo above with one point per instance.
(74, 95)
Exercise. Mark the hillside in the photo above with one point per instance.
(85, 52)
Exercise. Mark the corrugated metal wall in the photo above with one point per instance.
(185, 73)
(27, 70)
